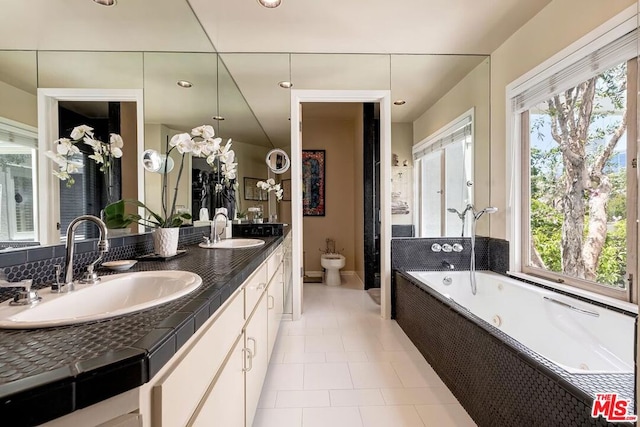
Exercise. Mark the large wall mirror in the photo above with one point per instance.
(239, 89)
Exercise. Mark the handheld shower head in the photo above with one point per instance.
(455, 211)
(487, 210)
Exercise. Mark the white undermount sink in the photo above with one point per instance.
(114, 296)
(233, 244)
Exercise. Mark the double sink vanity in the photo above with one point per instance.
(183, 341)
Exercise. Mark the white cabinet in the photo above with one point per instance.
(256, 343)
(224, 403)
(177, 392)
(275, 301)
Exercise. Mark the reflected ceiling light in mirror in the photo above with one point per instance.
(218, 118)
(285, 84)
(105, 2)
(184, 83)
(399, 102)
(270, 4)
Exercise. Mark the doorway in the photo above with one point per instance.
(383, 99)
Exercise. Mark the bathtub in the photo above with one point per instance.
(578, 337)
(516, 354)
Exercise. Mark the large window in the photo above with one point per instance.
(578, 145)
(443, 164)
(17, 184)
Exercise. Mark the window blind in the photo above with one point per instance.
(608, 56)
(456, 135)
(18, 136)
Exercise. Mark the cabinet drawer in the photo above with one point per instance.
(254, 288)
(273, 262)
(177, 393)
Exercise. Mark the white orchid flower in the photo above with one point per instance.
(211, 159)
(73, 167)
(271, 181)
(97, 157)
(204, 131)
(79, 132)
(228, 156)
(116, 141)
(93, 143)
(57, 158)
(211, 146)
(182, 142)
(61, 175)
(116, 152)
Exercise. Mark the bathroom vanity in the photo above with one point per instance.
(197, 360)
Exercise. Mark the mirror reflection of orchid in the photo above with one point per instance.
(104, 153)
(270, 185)
(200, 143)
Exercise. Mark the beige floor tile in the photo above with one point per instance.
(327, 376)
(444, 416)
(390, 416)
(374, 375)
(268, 398)
(284, 377)
(289, 344)
(290, 417)
(361, 397)
(417, 373)
(304, 358)
(331, 417)
(323, 343)
(418, 396)
(350, 356)
(302, 399)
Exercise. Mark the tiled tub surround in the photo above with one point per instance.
(409, 254)
(498, 380)
(47, 373)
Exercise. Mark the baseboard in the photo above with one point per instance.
(313, 273)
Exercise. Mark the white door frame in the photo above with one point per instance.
(48, 188)
(384, 98)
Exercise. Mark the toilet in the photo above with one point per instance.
(332, 263)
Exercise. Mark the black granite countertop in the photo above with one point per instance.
(47, 373)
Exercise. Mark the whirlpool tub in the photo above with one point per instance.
(516, 353)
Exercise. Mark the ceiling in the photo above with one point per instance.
(316, 44)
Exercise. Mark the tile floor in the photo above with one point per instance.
(342, 365)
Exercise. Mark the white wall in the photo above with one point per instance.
(23, 106)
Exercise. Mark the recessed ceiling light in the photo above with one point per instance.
(219, 118)
(399, 102)
(285, 85)
(105, 2)
(270, 3)
(184, 83)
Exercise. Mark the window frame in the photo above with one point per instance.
(518, 168)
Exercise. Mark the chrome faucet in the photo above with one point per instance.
(90, 276)
(448, 265)
(215, 237)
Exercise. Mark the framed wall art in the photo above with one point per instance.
(313, 184)
(252, 192)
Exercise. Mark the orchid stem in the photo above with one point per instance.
(175, 193)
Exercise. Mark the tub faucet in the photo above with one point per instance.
(448, 265)
(66, 285)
